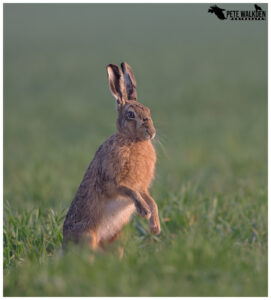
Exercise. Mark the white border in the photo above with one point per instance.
(1, 119)
(1, 145)
(137, 1)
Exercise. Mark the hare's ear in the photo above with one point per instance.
(116, 83)
(130, 81)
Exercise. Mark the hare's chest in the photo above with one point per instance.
(142, 165)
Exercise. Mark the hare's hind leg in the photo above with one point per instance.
(104, 245)
(88, 238)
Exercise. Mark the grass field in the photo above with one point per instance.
(205, 81)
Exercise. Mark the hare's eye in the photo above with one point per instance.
(130, 114)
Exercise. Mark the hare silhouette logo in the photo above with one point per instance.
(256, 14)
(257, 7)
(217, 11)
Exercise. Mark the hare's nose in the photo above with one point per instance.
(146, 119)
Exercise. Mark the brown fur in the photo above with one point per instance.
(117, 180)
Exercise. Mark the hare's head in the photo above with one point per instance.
(134, 119)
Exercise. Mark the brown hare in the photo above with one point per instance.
(116, 182)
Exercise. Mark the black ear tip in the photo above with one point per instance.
(110, 66)
(116, 70)
(123, 66)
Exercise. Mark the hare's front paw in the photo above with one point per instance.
(155, 226)
(143, 211)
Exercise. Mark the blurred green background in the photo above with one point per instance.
(205, 81)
